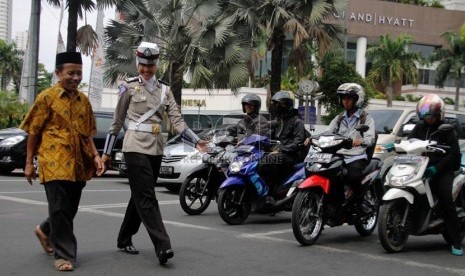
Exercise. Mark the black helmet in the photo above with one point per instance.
(253, 100)
(352, 90)
(284, 97)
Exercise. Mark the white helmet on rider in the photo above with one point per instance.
(353, 90)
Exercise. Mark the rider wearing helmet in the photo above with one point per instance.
(252, 122)
(289, 130)
(431, 111)
(351, 98)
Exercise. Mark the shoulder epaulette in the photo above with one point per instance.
(163, 82)
(133, 79)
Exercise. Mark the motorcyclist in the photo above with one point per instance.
(289, 130)
(351, 98)
(431, 111)
(252, 122)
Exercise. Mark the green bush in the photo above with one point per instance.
(12, 111)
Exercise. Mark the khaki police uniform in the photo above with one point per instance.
(143, 150)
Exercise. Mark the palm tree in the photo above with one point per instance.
(391, 61)
(84, 38)
(451, 62)
(195, 37)
(10, 64)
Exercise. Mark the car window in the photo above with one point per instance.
(385, 120)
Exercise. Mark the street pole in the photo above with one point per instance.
(34, 30)
(345, 29)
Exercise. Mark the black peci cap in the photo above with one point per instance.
(68, 57)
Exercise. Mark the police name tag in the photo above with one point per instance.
(321, 158)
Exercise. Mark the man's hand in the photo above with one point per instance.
(357, 142)
(106, 160)
(30, 172)
(100, 166)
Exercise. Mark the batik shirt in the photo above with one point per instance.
(63, 122)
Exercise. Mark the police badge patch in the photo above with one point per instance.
(122, 89)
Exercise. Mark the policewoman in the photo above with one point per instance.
(143, 99)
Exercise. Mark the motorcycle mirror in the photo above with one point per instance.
(442, 128)
(446, 127)
(362, 128)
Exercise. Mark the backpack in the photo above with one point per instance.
(369, 150)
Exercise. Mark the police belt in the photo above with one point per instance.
(150, 128)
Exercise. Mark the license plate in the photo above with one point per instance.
(122, 167)
(166, 170)
(321, 157)
(408, 159)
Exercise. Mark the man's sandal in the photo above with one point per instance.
(63, 265)
(43, 239)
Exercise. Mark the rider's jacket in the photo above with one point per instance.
(347, 128)
(248, 125)
(291, 132)
(443, 163)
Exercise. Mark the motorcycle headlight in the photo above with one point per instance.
(328, 141)
(398, 181)
(13, 140)
(235, 167)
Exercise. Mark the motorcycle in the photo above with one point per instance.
(409, 207)
(201, 184)
(244, 191)
(317, 202)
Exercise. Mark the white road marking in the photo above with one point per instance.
(93, 209)
(22, 200)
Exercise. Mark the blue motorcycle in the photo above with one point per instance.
(244, 191)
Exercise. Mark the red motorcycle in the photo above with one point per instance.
(317, 202)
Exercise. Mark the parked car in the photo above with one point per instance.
(395, 124)
(13, 143)
(179, 159)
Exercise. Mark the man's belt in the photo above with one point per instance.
(150, 128)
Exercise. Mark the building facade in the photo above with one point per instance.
(6, 13)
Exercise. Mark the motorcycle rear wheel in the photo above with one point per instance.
(307, 222)
(392, 236)
(234, 208)
(194, 194)
(371, 198)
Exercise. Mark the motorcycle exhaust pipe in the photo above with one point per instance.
(285, 200)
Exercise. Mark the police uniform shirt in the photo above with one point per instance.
(135, 99)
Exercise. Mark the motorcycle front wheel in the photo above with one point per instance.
(234, 208)
(307, 222)
(392, 235)
(365, 226)
(194, 194)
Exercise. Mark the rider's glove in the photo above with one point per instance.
(431, 171)
(349, 143)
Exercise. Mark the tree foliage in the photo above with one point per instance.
(451, 62)
(391, 61)
(10, 64)
(336, 71)
(12, 111)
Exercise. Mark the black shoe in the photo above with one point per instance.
(163, 256)
(129, 249)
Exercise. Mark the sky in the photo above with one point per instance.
(49, 20)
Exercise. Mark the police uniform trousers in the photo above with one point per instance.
(143, 206)
(63, 201)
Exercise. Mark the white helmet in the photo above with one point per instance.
(352, 90)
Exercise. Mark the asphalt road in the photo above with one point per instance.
(203, 245)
